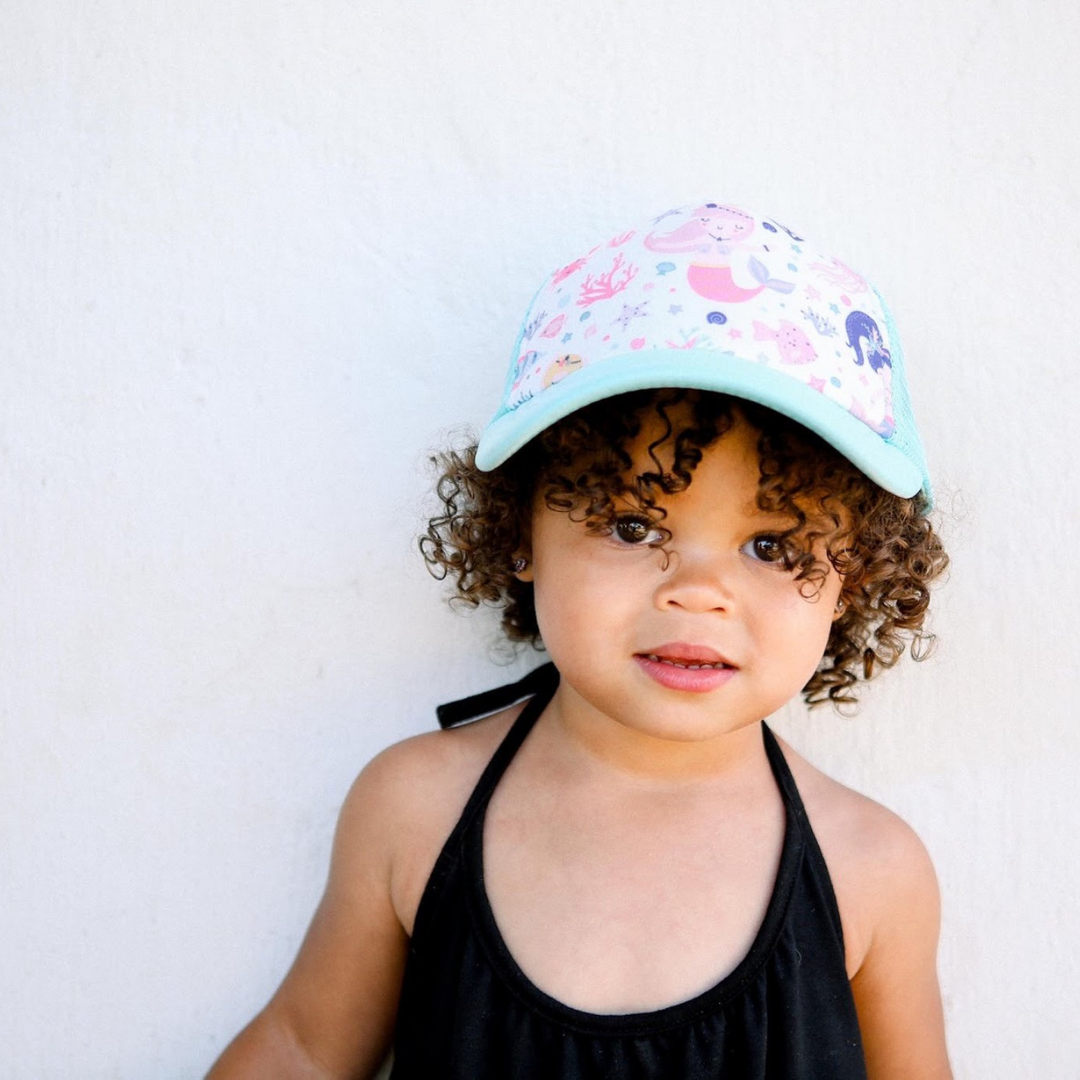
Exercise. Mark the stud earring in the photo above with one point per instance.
(840, 605)
(520, 563)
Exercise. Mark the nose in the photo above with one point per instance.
(697, 581)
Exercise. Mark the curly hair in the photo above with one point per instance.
(883, 546)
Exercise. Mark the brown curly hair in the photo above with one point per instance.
(883, 546)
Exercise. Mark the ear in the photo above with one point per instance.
(841, 608)
(526, 572)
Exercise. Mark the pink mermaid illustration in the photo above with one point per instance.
(715, 233)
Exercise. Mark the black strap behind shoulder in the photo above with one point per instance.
(502, 697)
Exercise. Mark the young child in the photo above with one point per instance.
(703, 493)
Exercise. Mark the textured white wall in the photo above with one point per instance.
(255, 258)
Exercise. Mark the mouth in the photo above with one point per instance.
(692, 668)
(689, 665)
(692, 657)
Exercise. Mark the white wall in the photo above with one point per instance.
(256, 258)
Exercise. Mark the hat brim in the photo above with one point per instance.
(883, 463)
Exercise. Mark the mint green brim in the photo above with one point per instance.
(885, 464)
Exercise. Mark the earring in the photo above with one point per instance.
(840, 605)
(520, 563)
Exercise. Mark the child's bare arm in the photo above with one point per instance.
(333, 1015)
(896, 987)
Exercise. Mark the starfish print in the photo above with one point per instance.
(675, 309)
(629, 313)
(734, 334)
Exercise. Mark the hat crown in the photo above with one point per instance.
(716, 296)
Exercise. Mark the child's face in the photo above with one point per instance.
(615, 619)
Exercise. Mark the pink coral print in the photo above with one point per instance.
(618, 241)
(571, 268)
(554, 326)
(792, 344)
(843, 277)
(605, 286)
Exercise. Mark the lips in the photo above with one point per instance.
(689, 668)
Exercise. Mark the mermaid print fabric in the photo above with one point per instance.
(714, 278)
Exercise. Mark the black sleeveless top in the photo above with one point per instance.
(468, 1012)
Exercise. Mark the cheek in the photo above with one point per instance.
(583, 601)
(800, 625)
(563, 587)
(566, 621)
(549, 611)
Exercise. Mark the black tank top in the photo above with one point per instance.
(468, 1012)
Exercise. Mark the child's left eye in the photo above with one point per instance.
(636, 530)
(768, 548)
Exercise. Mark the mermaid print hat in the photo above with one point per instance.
(712, 297)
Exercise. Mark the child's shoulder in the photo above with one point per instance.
(890, 911)
(881, 872)
(407, 799)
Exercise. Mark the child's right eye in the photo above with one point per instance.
(637, 530)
